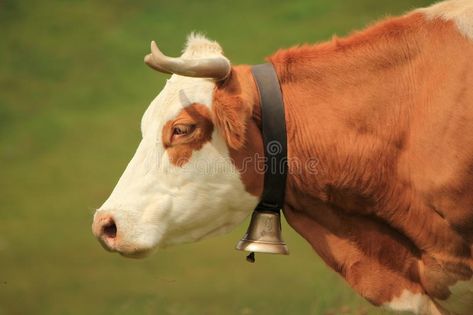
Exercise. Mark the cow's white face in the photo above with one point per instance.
(181, 185)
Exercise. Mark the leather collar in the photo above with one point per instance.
(274, 137)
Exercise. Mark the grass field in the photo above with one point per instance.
(72, 90)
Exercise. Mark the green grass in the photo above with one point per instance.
(72, 90)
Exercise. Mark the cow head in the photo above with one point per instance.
(183, 184)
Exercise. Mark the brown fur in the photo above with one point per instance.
(180, 148)
(388, 114)
(237, 117)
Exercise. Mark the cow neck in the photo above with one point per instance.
(273, 129)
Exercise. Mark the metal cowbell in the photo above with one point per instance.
(264, 234)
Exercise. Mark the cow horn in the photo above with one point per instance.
(217, 68)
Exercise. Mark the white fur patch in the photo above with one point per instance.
(198, 45)
(416, 303)
(459, 11)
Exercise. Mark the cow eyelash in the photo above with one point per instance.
(182, 130)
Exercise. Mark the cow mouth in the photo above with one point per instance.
(125, 249)
(137, 254)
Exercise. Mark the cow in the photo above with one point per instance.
(387, 112)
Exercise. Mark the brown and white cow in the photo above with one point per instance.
(388, 114)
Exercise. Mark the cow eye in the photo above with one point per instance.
(182, 130)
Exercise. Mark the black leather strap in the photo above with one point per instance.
(274, 137)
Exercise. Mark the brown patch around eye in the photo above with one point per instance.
(197, 119)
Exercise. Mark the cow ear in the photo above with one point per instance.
(230, 116)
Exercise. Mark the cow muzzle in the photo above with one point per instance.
(105, 229)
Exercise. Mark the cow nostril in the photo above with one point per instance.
(109, 230)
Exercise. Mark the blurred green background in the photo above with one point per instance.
(72, 90)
